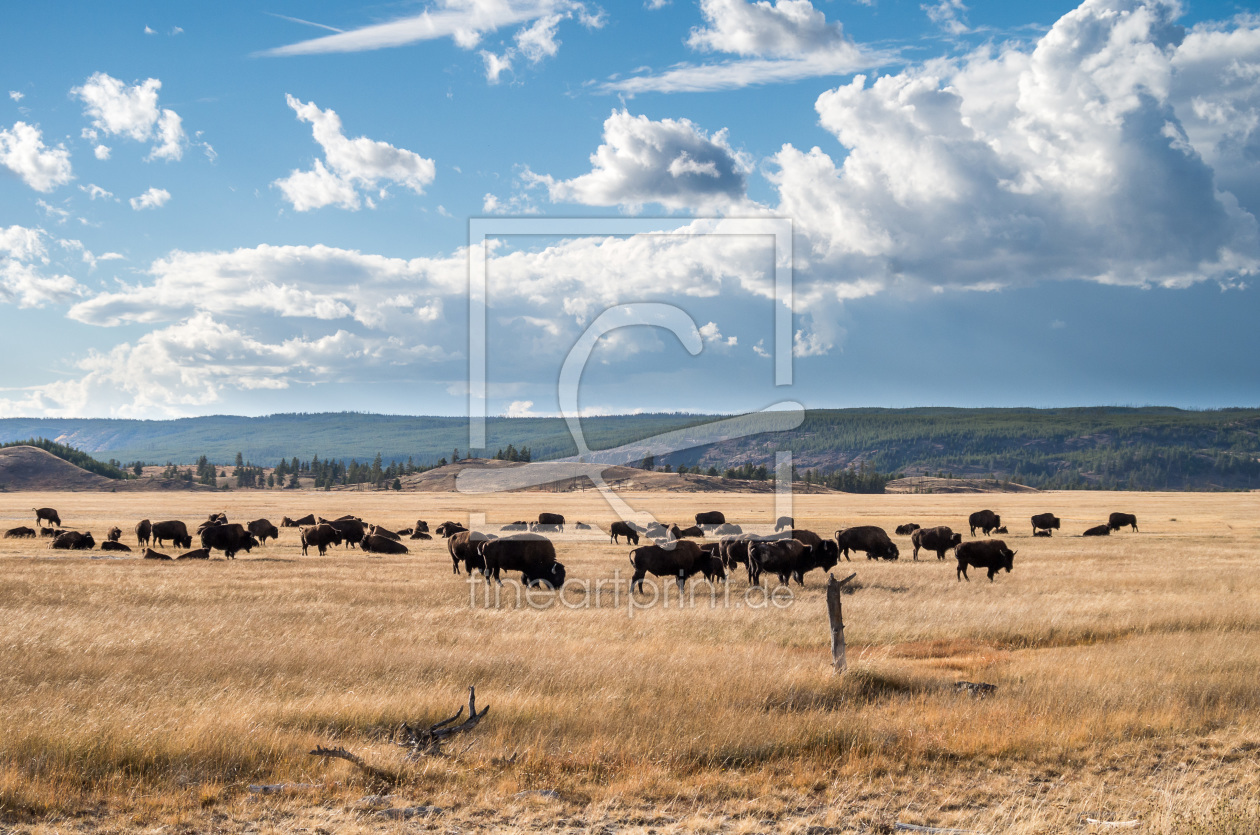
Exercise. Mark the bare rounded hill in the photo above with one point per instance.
(31, 468)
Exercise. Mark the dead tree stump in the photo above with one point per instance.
(836, 617)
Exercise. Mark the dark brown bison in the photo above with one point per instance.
(824, 554)
(907, 529)
(421, 526)
(420, 535)
(679, 562)
(114, 535)
(51, 533)
(74, 541)
(199, 554)
(518, 525)
(150, 554)
(1045, 522)
(1098, 530)
(711, 517)
(305, 521)
(1042, 534)
(144, 531)
(1001, 529)
(20, 533)
(985, 520)
(350, 528)
(869, 538)
(263, 530)
(463, 548)
(551, 519)
(1116, 521)
(449, 529)
(377, 530)
(733, 550)
(321, 536)
(532, 555)
(991, 554)
(694, 532)
(230, 539)
(727, 529)
(46, 514)
(376, 544)
(783, 523)
(175, 531)
(781, 557)
(114, 545)
(939, 539)
(623, 529)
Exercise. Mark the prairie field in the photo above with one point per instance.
(151, 696)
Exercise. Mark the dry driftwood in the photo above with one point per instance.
(376, 775)
(428, 741)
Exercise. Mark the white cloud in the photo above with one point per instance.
(712, 335)
(154, 198)
(352, 164)
(150, 31)
(102, 152)
(521, 408)
(16, 95)
(670, 162)
(496, 65)
(93, 191)
(23, 152)
(23, 264)
(653, 5)
(950, 15)
(119, 110)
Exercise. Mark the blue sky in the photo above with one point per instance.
(244, 209)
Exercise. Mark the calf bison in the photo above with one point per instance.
(175, 531)
(532, 555)
(679, 562)
(263, 530)
(623, 529)
(74, 541)
(46, 514)
(463, 548)
(551, 519)
(305, 521)
(907, 529)
(985, 520)
(373, 543)
(1116, 521)
(1098, 530)
(784, 522)
(20, 533)
(711, 517)
(321, 536)
(869, 538)
(939, 539)
(114, 545)
(991, 554)
(229, 539)
(1045, 522)
(144, 531)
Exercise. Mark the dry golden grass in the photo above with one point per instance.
(141, 695)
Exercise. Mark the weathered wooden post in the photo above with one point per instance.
(836, 617)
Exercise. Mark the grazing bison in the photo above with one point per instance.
(46, 514)
(623, 529)
(144, 531)
(349, 528)
(150, 554)
(74, 541)
(449, 529)
(532, 555)
(1044, 534)
(869, 538)
(321, 536)
(199, 554)
(679, 562)
(985, 520)
(711, 517)
(175, 531)
(114, 535)
(784, 522)
(782, 557)
(228, 538)
(114, 545)
(263, 530)
(551, 519)
(991, 554)
(308, 519)
(463, 548)
(377, 544)
(727, 529)
(1116, 521)
(1045, 522)
(1098, 530)
(20, 533)
(939, 539)
(907, 529)
(694, 532)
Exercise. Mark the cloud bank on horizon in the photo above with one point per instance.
(1116, 148)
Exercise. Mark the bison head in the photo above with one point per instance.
(1008, 559)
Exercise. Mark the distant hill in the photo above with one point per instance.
(1082, 448)
(28, 468)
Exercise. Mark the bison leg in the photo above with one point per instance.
(962, 572)
(682, 583)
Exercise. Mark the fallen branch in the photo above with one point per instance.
(1117, 824)
(378, 775)
(910, 827)
(428, 741)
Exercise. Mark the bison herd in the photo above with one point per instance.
(671, 551)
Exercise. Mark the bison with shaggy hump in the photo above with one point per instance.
(623, 529)
(1045, 522)
(781, 557)
(680, 562)
(263, 530)
(351, 529)
(320, 536)
(532, 555)
(551, 519)
(711, 517)
(144, 532)
(20, 533)
(990, 554)
(823, 554)
(985, 520)
(305, 521)
(229, 539)
(173, 530)
(1098, 530)
(377, 530)
(46, 514)
(449, 529)
(939, 539)
(114, 534)
(463, 548)
(869, 538)
(1116, 521)
(373, 543)
(74, 541)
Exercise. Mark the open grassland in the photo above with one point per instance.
(139, 695)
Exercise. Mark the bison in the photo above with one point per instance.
(823, 554)
(114, 534)
(1001, 529)
(20, 533)
(175, 531)
(263, 530)
(349, 528)
(305, 521)
(144, 531)
(377, 530)
(727, 529)
(985, 520)
(783, 523)
(150, 554)
(46, 514)
(907, 529)
(199, 554)
(551, 519)
(1045, 522)
(1043, 534)
(711, 517)
(679, 562)
(782, 557)
(1116, 521)
(694, 532)
(532, 555)
(733, 550)
(375, 543)
(321, 536)
(421, 526)
(228, 538)
(518, 525)
(51, 533)
(991, 554)
(463, 548)
(939, 539)
(623, 529)
(869, 538)
(74, 541)
(449, 529)
(114, 545)
(1098, 530)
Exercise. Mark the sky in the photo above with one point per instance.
(242, 208)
